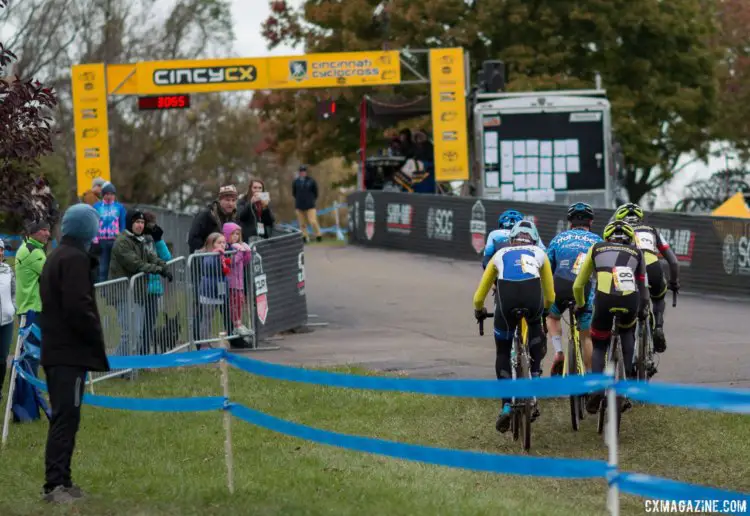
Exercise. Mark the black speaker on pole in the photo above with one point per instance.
(493, 75)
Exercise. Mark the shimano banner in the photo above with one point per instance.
(714, 253)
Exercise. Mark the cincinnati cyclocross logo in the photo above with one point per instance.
(202, 75)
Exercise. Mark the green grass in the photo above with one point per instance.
(173, 464)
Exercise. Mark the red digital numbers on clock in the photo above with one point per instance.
(164, 102)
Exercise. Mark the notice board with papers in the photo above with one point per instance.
(543, 155)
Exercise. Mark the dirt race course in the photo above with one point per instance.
(395, 311)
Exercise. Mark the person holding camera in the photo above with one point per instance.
(255, 216)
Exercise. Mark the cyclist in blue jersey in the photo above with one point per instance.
(522, 275)
(500, 237)
(566, 253)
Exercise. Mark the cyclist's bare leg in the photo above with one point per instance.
(554, 330)
(554, 326)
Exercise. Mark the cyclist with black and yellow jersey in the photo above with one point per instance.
(523, 277)
(649, 240)
(620, 284)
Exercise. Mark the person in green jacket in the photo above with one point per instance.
(130, 256)
(30, 260)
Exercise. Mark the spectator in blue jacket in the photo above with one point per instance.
(153, 242)
(112, 221)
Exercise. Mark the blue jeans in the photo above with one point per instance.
(105, 257)
(6, 337)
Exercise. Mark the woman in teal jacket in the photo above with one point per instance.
(155, 290)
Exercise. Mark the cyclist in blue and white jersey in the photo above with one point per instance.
(566, 253)
(500, 237)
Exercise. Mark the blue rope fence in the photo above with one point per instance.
(339, 230)
(724, 400)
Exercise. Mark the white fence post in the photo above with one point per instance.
(613, 495)
(227, 416)
(12, 386)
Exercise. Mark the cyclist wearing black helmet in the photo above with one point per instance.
(649, 240)
(621, 285)
(566, 253)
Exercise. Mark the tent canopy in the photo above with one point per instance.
(383, 112)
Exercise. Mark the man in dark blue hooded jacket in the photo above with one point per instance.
(72, 343)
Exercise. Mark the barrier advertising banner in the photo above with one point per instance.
(278, 267)
(713, 253)
(449, 124)
(90, 120)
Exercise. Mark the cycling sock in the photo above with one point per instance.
(557, 343)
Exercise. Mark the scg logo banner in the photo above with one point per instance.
(440, 224)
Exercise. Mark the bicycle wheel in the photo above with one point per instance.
(575, 400)
(515, 420)
(641, 361)
(619, 375)
(525, 416)
(602, 405)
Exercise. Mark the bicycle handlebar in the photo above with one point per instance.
(485, 315)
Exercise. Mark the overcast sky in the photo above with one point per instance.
(248, 16)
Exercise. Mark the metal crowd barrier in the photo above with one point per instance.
(114, 301)
(248, 295)
(220, 298)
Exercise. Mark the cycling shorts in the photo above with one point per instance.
(510, 295)
(602, 319)
(564, 293)
(657, 283)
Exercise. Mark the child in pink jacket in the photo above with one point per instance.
(240, 258)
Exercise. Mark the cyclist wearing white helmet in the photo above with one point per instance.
(523, 277)
(499, 238)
